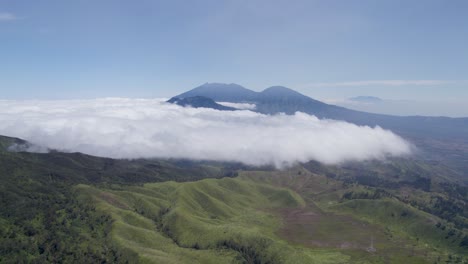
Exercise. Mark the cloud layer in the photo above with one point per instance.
(147, 128)
(241, 106)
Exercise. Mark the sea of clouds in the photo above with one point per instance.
(151, 128)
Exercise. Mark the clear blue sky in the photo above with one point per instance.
(150, 48)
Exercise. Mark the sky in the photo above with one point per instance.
(329, 50)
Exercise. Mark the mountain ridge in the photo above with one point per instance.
(230, 92)
(440, 138)
(218, 91)
(276, 99)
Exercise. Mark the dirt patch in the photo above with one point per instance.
(311, 227)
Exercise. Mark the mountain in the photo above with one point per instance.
(278, 99)
(221, 92)
(199, 101)
(366, 99)
(441, 139)
(270, 101)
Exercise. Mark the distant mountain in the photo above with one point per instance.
(281, 91)
(221, 92)
(366, 99)
(278, 99)
(442, 139)
(270, 101)
(199, 101)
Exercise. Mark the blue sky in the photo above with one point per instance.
(414, 50)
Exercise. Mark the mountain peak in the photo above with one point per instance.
(221, 85)
(281, 91)
(221, 92)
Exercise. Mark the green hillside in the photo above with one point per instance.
(208, 221)
(349, 216)
(42, 217)
(253, 219)
(74, 208)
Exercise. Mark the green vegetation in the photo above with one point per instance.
(430, 188)
(346, 215)
(43, 218)
(255, 219)
(74, 208)
(209, 221)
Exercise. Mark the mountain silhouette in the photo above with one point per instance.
(279, 99)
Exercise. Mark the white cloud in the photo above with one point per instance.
(242, 106)
(4, 16)
(381, 83)
(134, 128)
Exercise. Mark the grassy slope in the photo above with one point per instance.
(209, 221)
(245, 219)
(419, 229)
(43, 220)
(422, 185)
(402, 232)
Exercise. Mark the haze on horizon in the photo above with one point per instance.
(401, 51)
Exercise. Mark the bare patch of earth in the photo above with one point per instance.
(313, 228)
(310, 227)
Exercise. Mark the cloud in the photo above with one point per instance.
(381, 83)
(4, 16)
(242, 106)
(150, 128)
